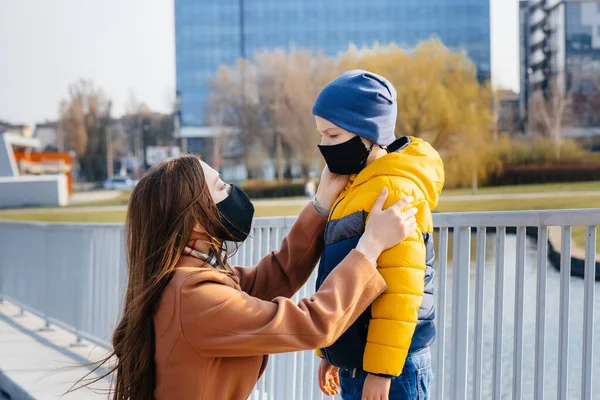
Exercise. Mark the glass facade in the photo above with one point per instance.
(524, 55)
(210, 33)
(582, 44)
(582, 61)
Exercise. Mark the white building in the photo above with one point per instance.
(18, 190)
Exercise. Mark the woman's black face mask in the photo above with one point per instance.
(237, 212)
(346, 158)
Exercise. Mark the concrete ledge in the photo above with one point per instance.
(43, 190)
(39, 364)
(14, 391)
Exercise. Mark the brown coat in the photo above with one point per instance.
(213, 331)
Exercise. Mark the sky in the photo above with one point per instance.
(127, 48)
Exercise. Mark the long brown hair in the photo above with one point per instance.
(164, 207)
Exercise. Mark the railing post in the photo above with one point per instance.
(588, 313)
(441, 312)
(519, 301)
(499, 312)
(46, 327)
(540, 318)
(460, 310)
(479, 309)
(563, 329)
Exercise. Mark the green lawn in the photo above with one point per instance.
(578, 237)
(545, 203)
(540, 188)
(262, 210)
(67, 216)
(446, 205)
(119, 216)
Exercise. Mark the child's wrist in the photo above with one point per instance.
(382, 375)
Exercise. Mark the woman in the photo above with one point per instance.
(195, 328)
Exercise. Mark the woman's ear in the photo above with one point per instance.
(199, 229)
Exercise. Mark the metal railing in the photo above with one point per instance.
(73, 275)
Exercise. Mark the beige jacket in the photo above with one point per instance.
(214, 331)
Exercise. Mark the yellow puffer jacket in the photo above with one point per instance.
(381, 338)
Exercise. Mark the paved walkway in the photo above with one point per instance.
(93, 196)
(42, 365)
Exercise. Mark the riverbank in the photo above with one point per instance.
(554, 237)
(577, 254)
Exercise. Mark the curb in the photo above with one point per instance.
(12, 390)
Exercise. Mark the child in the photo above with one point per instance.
(386, 352)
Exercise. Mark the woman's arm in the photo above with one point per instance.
(220, 321)
(282, 273)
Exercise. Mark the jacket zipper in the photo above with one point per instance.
(331, 214)
(324, 350)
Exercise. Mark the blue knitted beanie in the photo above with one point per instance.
(362, 103)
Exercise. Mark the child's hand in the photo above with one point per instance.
(376, 388)
(329, 378)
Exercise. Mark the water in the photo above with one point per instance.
(552, 324)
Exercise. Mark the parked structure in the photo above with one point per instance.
(19, 190)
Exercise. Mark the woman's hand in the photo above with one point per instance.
(376, 388)
(329, 378)
(330, 187)
(387, 228)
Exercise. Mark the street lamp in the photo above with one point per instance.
(145, 130)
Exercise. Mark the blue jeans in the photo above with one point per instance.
(414, 383)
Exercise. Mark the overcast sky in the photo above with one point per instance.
(127, 46)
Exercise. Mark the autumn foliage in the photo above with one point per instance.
(269, 98)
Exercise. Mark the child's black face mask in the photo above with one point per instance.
(346, 158)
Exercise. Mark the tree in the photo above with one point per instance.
(439, 100)
(146, 128)
(295, 79)
(507, 115)
(235, 102)
(585, 103)
(85, 119)
(268, 99)
(549, 112)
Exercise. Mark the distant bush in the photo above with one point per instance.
(531, 174)
(540, 151)
(257, 189)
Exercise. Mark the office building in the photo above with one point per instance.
(564, 54)
(523, 56)
(210, 33)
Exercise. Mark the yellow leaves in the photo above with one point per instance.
(439, 97)
(439, 100)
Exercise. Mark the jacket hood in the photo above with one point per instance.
(414, 159)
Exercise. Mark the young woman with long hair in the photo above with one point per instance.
(194, 327)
